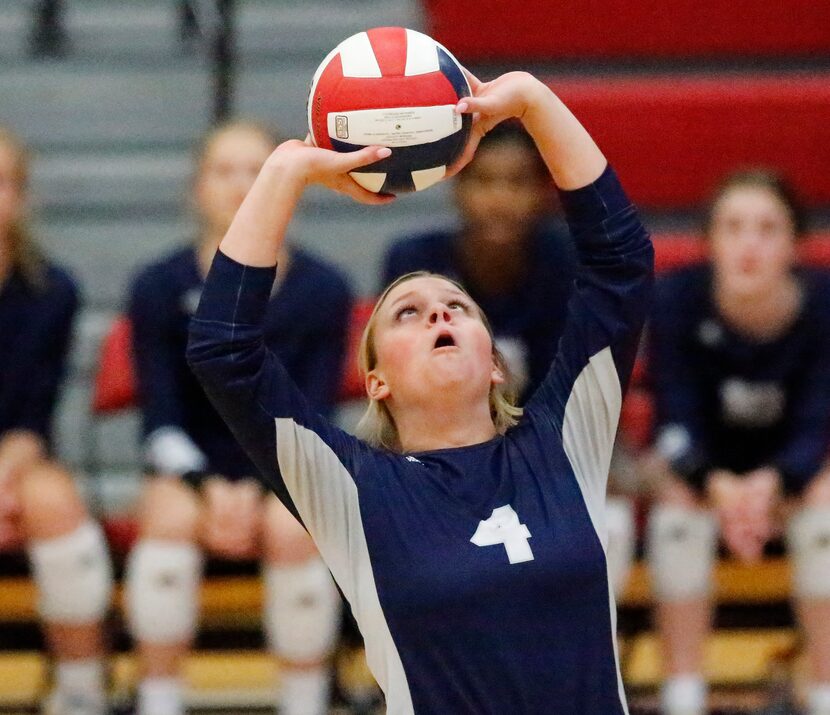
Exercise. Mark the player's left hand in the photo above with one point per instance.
(507, 96)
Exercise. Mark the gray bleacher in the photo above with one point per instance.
(112, 125)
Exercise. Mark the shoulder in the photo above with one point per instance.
(816, 282)
(164, 268)
(319, 276)
(60, 282)
(683, 287)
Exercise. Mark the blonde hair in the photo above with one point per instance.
(377, 427)
(25, 255)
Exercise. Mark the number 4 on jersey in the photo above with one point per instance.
(503, 527)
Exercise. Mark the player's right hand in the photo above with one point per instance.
(313, 165)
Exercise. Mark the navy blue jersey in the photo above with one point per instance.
(727, 401)
(36, 327)
(477, 574)
(306, 325)
(530, 317)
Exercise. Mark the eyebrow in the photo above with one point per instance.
(453, 291)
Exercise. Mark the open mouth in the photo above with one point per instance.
(444, 340)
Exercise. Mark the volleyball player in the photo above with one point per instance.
(469, 538)
(202, 494)
(41, 509)
(740, 363)
(514, 256)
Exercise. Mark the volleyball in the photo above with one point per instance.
(397, 88)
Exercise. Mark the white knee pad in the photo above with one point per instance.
(302, 610)
(808, 536)
(73, 574)
(619, 553)
(162, 591)
(681, 546)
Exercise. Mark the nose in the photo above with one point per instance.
(439, 314)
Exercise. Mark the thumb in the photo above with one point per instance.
(362, 157)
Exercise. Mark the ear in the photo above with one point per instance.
(497, 375)
(376, 388)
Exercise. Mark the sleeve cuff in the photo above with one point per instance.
(592, 204)
(236, 293)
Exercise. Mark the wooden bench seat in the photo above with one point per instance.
(238, 599)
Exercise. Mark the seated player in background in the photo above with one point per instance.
(202, 494)
(517, 260)
(41, 509)
(740, 366)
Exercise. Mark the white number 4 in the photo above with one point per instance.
(503, 527)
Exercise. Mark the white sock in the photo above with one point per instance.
(818, 699)
(160, 696)
(304, 692)
(684, 695)
(81, 677)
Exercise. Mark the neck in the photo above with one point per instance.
(764, 315)
(425, 428)
(492, 263)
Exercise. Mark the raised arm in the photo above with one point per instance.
(582, 393)
(226, 350)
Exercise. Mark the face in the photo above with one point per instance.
(430, 342)
(228, 168)
(500, 195)
(11, 193)
(752, 239)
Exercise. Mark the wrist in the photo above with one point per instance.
(538, 97)
(288, 169)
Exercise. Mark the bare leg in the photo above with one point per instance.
(809, 541)
(74, 578)
(302, 612)
(162, 576)
(683, 627)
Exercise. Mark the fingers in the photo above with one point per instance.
(474, 82)
(466, 156)
(348, 186)
(363, 157)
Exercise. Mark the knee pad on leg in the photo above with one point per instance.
(808, 536)
(162, 591)
(681, 552)
(619, 521)
(73, 574)
(302, 610)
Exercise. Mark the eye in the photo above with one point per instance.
(457, 305)
(405, 311)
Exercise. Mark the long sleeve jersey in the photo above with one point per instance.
(163, 298)
(725, 400)
(36, 328)
(477, 574)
